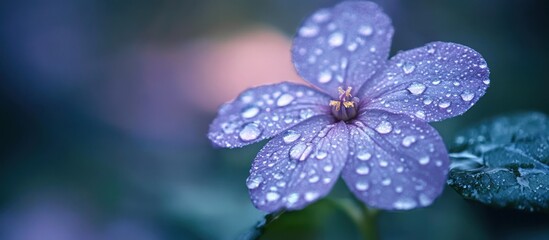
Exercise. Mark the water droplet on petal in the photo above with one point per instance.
(364, 155)
(425, 200)
(249, 132)
(314, 179)
(424, 160)
(383, 163)
(420, 114)
(408, 140)
(408, 68)
(384, 127)
(398, 189)
(325, 76)
(301, 151)
(483, 66)
(284, 100)
(386, 182)
(467, 96)
(430, 49)
(278, 175)
(361, 186)
(405, 203)
(365, 30)
(309, 31)
(436, 82)
(328, 168)
(292, 198)
(321, 155)
(444, 104)
(253, 183)
(427, 101)
(272, 196)
(416, 88)
(311, 196)
(250, 112)
(336, 39)
(321, 16)
(486, 81)
(291, 136)
(352, 47)
(362, 170)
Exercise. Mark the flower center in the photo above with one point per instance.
(345, 107)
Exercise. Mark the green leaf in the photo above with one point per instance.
(504, 162)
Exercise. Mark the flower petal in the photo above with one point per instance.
(299, 166)
(433, 82)
(397, 162)
(262, 112)
(343, 46)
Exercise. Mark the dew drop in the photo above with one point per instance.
(284, 100)
(436, 82)
(328, 168)
(250, 112)
(444, 104)
(321, 155)
(398, 189)
(416, 88)
(384, 127)
(424, 160)
(399, 169)
(424, 200)
(278, 175)
(325, 76)
(336, 39)
(420, 114)
(430, 49)
(486, 81)
(309, 31)
(352, 47)
(253, 183)
(408, 68)
(467, 96)
(364, 155)
(292, 198)
(272, 196)
(311, 196)
(301, 151)
(386, 182)
(482, 66)
(321, 16)
(249, 132)
(361, 186)
(365, 30)
(427, 101)
(362, 170)
(291, 136)
(408, 140)
(314, 179)
(405, 203)
(383, 163)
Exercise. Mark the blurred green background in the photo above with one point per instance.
(105, 105)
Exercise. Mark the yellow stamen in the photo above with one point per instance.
(337, 104)
(340, 90)
(348, 104)
(348, 92)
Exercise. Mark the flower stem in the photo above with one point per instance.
(364, 218)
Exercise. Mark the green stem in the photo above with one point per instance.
(364, 218)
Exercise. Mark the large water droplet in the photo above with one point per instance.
(416, 88)
(250, 112)
(408, 140)
(444, 104)
(325, 76)
(284, 100)
(365, 30)
(291, 136)
(311, 196)
(467, 96)
(336, 39)
(384, 127)
(292, 198)
(362, 170)
(424, 160)
(301, 151)
(309, 31)
(272, 196)
(249, 132)
(253, 183)
(408, 68)
(361, 186)
(321, 155)
(364, 155)
(405, 203)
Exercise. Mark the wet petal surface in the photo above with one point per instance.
(262, 112)
(434, 82)
(299, 166)
(342, 46)
(395, 162)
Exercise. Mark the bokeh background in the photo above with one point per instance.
(105, 105)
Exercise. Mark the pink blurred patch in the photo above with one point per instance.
(221, 69)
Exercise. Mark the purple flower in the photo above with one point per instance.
(366, 121)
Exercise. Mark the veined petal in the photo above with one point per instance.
(342, 46)
(262, 112)
(434, 82)
(299, 166)
(397, 162)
